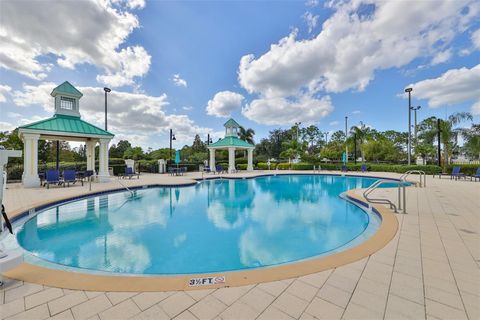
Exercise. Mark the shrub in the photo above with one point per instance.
(468, 169)
(264, 166)
(283, 166)
(118, 169)
(302, 166)
(242, 166)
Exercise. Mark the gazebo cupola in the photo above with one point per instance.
(231, 128)
(66, 99)
(65, 125)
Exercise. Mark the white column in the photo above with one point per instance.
(231, 160)
(30, 177)
(103, 161)
(212, 160)
(90, 146)
(250, 160)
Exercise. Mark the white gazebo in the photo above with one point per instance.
(65, 125)
(231, 142)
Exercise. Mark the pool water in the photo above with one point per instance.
(216, 225)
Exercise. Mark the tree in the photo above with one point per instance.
(246, 135)
(472, 140)
(198, 145)
(313, 135)
(135, 153)
(425, 150)
(362, 132)
(117, 151)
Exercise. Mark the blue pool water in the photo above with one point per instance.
(216, 225)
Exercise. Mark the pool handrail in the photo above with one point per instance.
(421, 173)
(379, 182)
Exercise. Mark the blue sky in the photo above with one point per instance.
(189, 65)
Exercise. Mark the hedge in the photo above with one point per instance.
(468, 169)
(264, 166)
(242, 166)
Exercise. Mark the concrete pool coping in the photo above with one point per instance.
(83, 281)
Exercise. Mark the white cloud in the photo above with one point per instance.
(4, 91)
(178, 81)
(352, 46)
(134, 116)
(476, 39)
(476, 109)
(311, 21)
(356, 112)
(224, 103)
(187, 108)
(453, 87)
(312, 3)
(334, 123)
(280, 111)
(442, 57)
(92, 33)
(5, 126)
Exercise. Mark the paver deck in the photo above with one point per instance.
(430, 270)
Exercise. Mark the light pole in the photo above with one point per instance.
(209, 140)
(326, 137)
(409, 143)
(415, 121)
(107, 90)
(346, 135)
(172, 137)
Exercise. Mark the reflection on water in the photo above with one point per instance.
(214, 226)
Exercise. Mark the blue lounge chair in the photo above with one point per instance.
(344, 168)
(454, 175)
(183, 170)
(52, 177)
(219, 169)
(70, 176)
(207, 169)
(130, 173)
(476, 175)
(364, 168)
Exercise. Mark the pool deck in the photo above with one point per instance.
(429, 270)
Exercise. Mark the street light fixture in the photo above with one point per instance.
(209, 140)
(409, 143)
(172, 137)
(107, 90)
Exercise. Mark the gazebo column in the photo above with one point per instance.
(231, 160)
(90, 146)
(103, 173)
(30, 177)
(250, 160)
(211, 164)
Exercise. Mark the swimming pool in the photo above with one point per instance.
(214, 226)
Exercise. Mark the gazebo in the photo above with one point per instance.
(231, 142)
(65, 125)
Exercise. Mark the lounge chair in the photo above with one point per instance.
(130, 173)
(70, 176)
(454, 175)
(364, 168)
(183, 170)
(476, 175)
(52, 177)
(344, 168)
(206, 169)
(219, 169)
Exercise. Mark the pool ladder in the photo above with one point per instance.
(421, 183)
(401, 187)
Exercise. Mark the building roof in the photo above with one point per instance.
(231, 123)
(66, 88)
(231, 141)
(67, 124)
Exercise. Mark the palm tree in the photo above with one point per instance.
(246, 135)
(449, 134)
(472, 140)
(363, 133)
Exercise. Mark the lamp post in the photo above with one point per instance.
(326, 137)
(209, 140)
(409, 143)
(415, 121)
(172, 137)
(346, 136)
(107, 90)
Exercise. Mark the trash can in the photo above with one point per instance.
(162, 166)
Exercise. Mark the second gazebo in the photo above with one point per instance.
(231, 142)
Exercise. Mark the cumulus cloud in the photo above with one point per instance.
(476, 39)
(280, 111)
(134, 116)
(311, 21)
(356, 112)
(224, 103)
(178, 81)
(4, 91)
(453, 87)
(442, 57)
(352, 46)
(74, 33)
(334, 123)
(5, 126)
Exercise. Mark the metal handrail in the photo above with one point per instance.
(376, 184)
(421, 173)
(128, 189)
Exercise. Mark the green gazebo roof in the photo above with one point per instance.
(231, 141)
(67, 124)
(66, 88)
(231, 123)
